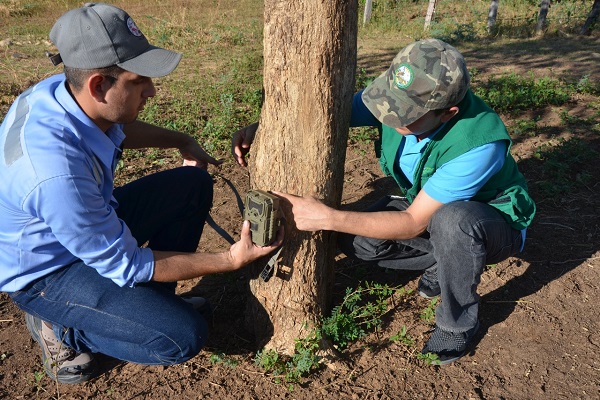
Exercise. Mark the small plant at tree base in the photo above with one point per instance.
(304, 361)
(220, 358)
(428, 313)
(270, 361)
(360, 311)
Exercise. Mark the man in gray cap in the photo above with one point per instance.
(464, 203)
(72, 252)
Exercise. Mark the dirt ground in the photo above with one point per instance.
(539, 323)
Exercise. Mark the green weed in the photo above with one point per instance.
(38, 376)
(428, 313)
(222, 359)
(588, 86)
(454, 33)
(513, 92)
(590, 123)
(361, 311)
(526, 127)
(429, 358)
(291, 369)
(403, 337)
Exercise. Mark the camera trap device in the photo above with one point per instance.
(262, 210)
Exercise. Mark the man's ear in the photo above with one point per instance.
(98, 86)
(449, 113)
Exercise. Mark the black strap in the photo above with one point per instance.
(240, 203)
(222, 232)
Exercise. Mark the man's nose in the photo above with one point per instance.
(150, 90)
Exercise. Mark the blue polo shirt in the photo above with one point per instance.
(56, 205)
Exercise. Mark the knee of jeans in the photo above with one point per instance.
(449, 221)
(200, 182)
(187, 345)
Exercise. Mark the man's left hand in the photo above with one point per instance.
(194, 156)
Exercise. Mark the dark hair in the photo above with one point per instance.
(440, 111)
(76, 77)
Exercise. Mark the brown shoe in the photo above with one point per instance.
(61, 363)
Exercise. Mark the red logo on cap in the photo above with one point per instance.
(133, 27)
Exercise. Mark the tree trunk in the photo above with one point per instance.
(541, 22)
(592, 17)
(309, 67)
(491, 21)
(430, 12)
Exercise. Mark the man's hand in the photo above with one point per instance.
(244, 251)
(241, 142)
(193, 155)
(139, 135)
(309, 213)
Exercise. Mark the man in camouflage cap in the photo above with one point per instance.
(464, 203)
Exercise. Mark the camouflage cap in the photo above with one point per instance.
(426, 75)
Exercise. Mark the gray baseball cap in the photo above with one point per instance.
(425, 75)
(100, 35)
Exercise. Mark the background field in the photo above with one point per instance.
(539, 320)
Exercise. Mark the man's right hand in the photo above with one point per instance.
(241, 142)
(244, 251)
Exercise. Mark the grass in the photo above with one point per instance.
(216, 89)
(513, 92)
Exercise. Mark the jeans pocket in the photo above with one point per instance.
(43, 286)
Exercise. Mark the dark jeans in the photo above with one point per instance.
(146, 324)
(462, 238)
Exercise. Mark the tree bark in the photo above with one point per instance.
(309, 67)
(592, 17)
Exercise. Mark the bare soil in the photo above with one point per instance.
(539, 323)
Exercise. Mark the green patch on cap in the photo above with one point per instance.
(403, 76)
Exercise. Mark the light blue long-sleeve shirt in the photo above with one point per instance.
(56, 204)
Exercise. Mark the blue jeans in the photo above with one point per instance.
(462, 238)
(149, 323)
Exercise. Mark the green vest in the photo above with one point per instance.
(475, 125)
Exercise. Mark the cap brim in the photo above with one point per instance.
(388, 107)
(153, 63)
